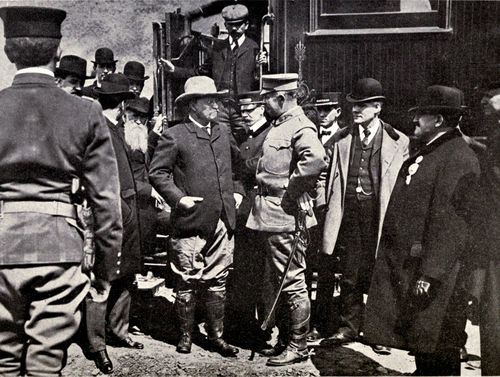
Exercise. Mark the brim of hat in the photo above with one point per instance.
(326, 104)
(437, 109)
(126, 95)
(137, 78)
(60, 71)
(137, 110)
(189, 96)
(352, 99)
(235, 21)
(105, 62)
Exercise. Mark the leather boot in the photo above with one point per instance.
(185, 306)
(215, 324)
(296, 351)
(282, 322)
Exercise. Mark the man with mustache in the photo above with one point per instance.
(364, 166)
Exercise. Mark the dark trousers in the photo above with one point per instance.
(357, 248)
(442, 363)
(107, 312)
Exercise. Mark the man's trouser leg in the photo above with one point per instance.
(39, 314)
(95, 317)
(278, 250)
(118, 310)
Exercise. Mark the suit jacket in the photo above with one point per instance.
(216, 62)
(426, 233)
(128, 256)
(393, 152)
(189, 162)
(48, 138)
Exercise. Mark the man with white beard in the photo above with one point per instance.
(135, 118)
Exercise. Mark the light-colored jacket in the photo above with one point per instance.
(394, 151)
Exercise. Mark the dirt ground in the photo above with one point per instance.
(159, 358)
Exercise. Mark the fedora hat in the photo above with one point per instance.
(198, 87)
(115, 84)
(366, 89)
(140, 105)
(32, 22)
(135, 71)
(441, 99)
(327, 99)
(72, 65)
(104, 55)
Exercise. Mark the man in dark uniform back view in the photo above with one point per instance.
(49, 138)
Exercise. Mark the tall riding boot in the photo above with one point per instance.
(215, 323)
(296, 351)
(281, 319)
(185, 306)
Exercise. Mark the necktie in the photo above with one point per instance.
(208, 129)
(325, 133)
(235, 45)
(365, 139)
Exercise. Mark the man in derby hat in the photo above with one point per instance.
(107, 308)
(104, 64)
(71, 74)
(135, 75)
(140, 151)
(292, 159)
(192, 169)
(365, 162)
(416, 299)
(55, 138)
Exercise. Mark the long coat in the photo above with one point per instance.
(425, 234)
(393, 152)
(189, 162)
(128, 256)
(215, 66)
(48, 138)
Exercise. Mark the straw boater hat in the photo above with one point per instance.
(365, 90)
(199, 87)
(440, 99)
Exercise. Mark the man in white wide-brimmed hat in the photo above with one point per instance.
(192, 170)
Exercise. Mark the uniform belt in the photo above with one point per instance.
(50, 208)
(269, 191)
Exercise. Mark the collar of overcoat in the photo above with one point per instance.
(387, 148)
(33, 78)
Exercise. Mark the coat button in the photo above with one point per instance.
(119, 254)
(118, 272)
(118, 262)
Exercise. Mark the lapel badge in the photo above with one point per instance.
(413, 169)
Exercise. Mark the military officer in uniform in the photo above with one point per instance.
(364, 165)
(292, 159)
(49, 139)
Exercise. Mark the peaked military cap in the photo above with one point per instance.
(328, 99)
(250, 100)
(32, 22)
(235, 13)
(279, 82)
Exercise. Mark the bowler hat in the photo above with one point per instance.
(366, 89)
(32, 22)
(135, 71)
(140, 105)
(250, 100)
(104, 55)
(72, 65)
(235, 13)
(279, 82)
(441, 99)
(327, 99)
(115, 84)
(199, 87)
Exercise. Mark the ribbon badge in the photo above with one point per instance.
(412, 169)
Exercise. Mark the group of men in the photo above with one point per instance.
(246, 175)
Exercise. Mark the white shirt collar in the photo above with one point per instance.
(254, 127)
(207, 127)
(436, 137)
(332, 129)
(373, 127)
(240, 40)
(42, 71)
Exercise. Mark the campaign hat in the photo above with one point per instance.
(104, 55)
(72, 65)
(32, 22)
(279, 82)
(366, 89)
(199, 87)
(135, 71)
(440, 99)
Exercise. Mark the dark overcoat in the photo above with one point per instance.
(216, 66)
(128, 256)
(48, 138)
(189, 162)
(425, 234)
